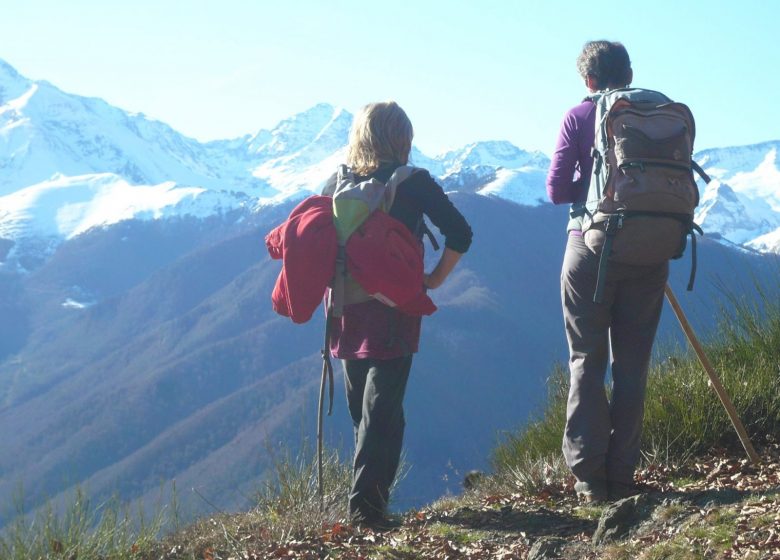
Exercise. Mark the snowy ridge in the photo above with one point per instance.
(12, 84)
(68, 206)
(45, 131)
(519, 185)
(742, 202)
(494, 154)
(308, 147)
(70, 163)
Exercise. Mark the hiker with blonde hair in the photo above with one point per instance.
(376, 342)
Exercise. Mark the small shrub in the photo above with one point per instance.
(290, 503)
(683, 416)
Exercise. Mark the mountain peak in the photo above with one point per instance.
(316, 117)
(495, 153)
(12, 84)
(300, 130)
(318, 109)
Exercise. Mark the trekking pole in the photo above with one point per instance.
(714, 380)
(319, 440)
(327, 374)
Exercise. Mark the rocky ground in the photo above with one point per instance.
(717, 507)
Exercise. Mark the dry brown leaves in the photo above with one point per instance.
(717, 471)
(756, 505)
(505, 526)
(413, 540)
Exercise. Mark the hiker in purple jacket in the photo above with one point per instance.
(375, 342)
(602, 435)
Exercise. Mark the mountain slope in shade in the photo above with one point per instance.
(137, 343)
(178, 369)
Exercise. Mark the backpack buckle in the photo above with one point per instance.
(614, 223)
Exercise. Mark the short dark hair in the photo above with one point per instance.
(607, 62)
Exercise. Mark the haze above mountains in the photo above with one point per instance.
(137, 343)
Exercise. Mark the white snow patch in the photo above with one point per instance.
(68, 206)
(71, 303)
(524, 186)
(767, 243)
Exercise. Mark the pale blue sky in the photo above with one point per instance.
(464, 71)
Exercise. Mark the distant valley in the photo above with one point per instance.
(137, 341)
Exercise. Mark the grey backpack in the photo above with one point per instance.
(642, 192)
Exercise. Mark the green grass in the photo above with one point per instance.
(539, 441)
(669, 512)
(288, 506)
(683, 416)
(461, 537)
(591, 513)
(82, 531)
(709, 537)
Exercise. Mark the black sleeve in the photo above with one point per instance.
(435, 204)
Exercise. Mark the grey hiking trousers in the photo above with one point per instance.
(375, 393)
(602, 436)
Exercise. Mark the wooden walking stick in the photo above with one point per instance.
(716, 384)
(327, 375)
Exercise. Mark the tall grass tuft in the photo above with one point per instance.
(683, 416)
(287, 508)
(82, 531)
(540, 439)
(290, 502)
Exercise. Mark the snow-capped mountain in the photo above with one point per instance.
(69, 163)
(742, 202)
(138, 344)
(302, 151)
(45, 131)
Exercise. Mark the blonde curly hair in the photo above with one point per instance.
(381, 133)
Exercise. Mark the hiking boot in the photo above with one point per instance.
(620, 490)
(379, 524)
(592, 492)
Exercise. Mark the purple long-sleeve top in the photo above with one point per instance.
(569, 174)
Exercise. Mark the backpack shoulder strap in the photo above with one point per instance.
(344, 177)
(400, 175)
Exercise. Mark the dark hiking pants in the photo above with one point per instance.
(602, 436)
(375, 393)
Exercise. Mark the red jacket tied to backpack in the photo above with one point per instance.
(382, 256)
(306, 243)
(387, 261)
